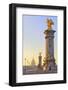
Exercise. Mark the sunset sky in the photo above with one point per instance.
(33, 28)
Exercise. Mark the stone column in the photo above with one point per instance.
(40, 60)
(49, 41)
(49, 55)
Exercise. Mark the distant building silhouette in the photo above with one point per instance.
(33, 62)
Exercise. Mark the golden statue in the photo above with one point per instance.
(49, 24)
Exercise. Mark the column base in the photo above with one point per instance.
(50, 66)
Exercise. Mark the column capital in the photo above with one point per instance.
(49, 31)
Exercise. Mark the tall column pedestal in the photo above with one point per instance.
(50, 65)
